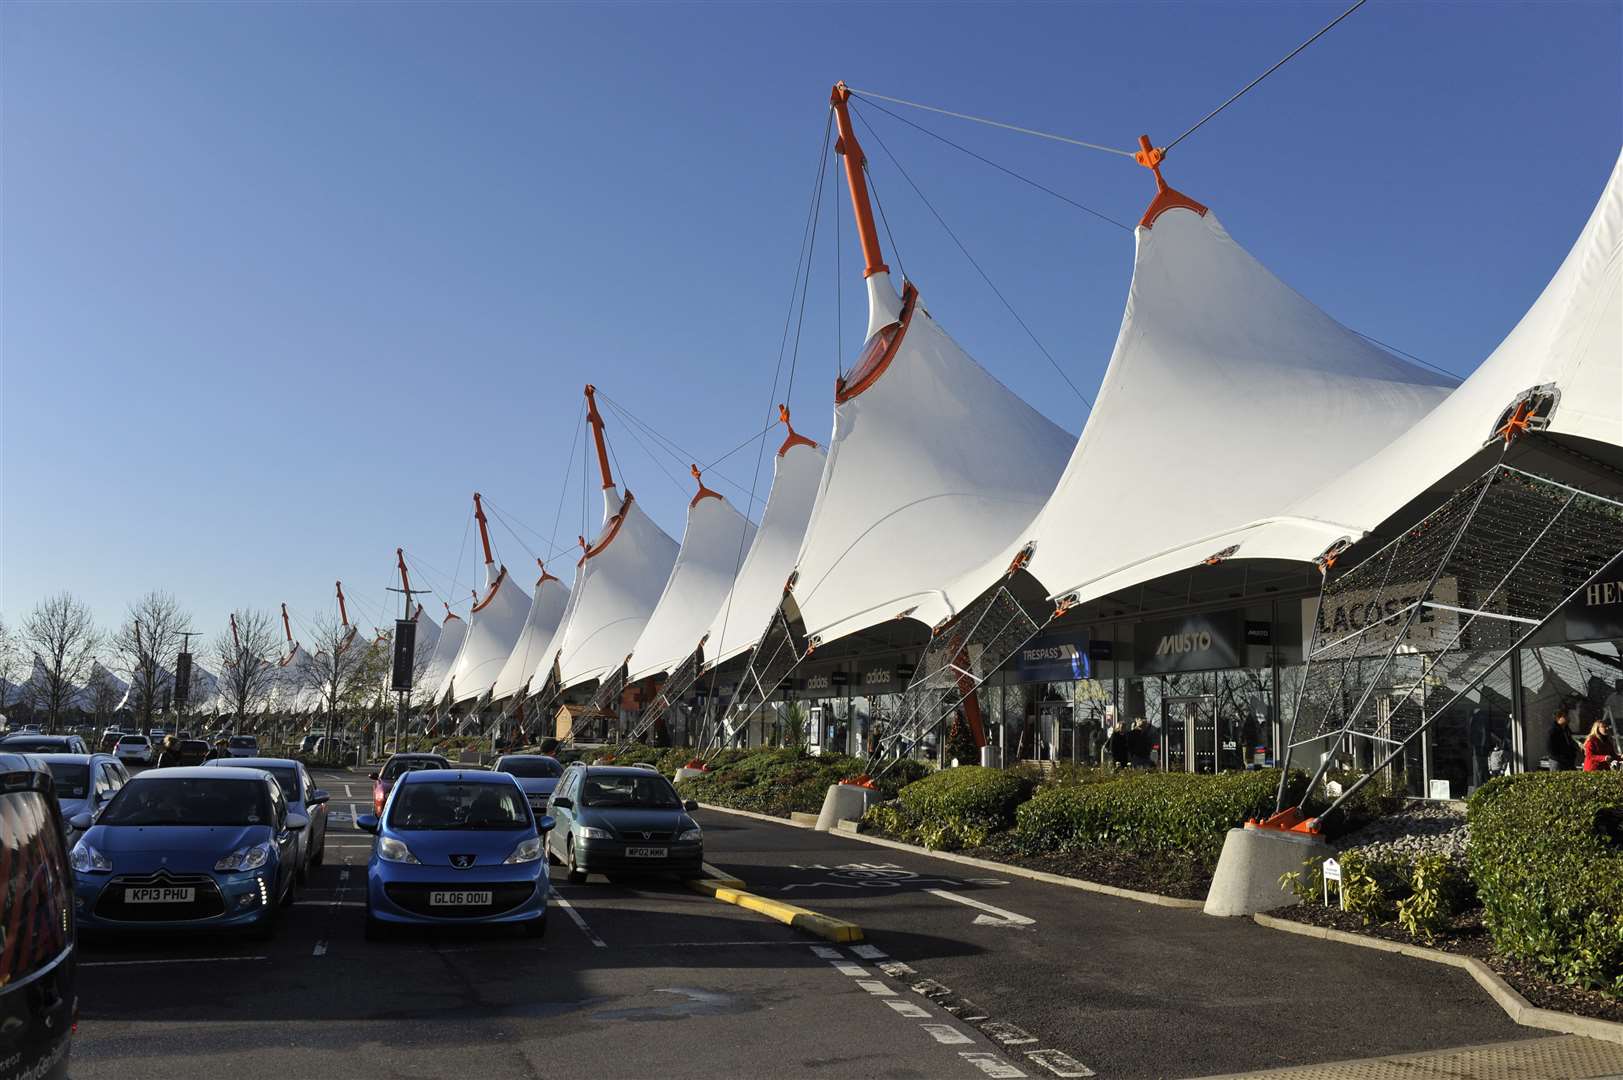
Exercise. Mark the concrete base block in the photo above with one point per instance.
(845, 802)
(1248, 871)
(685, 773)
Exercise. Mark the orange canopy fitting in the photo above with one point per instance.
(697, 763)
(1166, 197)
(703, 492)
(861, 780)
(544, 575)
(847, 147)
(794, 438)
(595, 418)
(484, 527)
(287, 627)
(1292, 820)
(343, 611)
(1518, 422)
(449, 614)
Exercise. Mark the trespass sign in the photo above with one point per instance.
(1204, 642)
(1381, 615)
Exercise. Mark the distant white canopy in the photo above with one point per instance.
(547, 608)
(745, 612)
(494, 626)
(713, 546)
(449, 643)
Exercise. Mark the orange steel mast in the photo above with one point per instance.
(595, 418)
(484, 529)
(848, 148)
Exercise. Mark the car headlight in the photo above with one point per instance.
(690, 835)
(586, 832)
(392, 850)
(246, 858)
(85, 858)
(527, 851)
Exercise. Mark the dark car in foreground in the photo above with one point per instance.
(622, 821)
(537, 774)
(199, 848)
(456, 847)
(399, 765)
(38, 1002)
(35, 743)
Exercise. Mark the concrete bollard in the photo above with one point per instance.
(1248, 871)
(845, 802)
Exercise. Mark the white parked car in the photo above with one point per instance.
(137, 748)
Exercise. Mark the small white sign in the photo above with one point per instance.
(1332, 870)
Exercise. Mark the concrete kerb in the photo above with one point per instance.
(986, 864)
(1518, 1008)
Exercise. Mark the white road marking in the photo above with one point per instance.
(1007, 1034)
(569, 909)
(876, 988)
(909, 1010)
(896, 969)
(826, 953)
(172, 960)
(348, 794)
(855, 970)
(321, 949)
(1059, 1063)
(946, 1033)
(992, 1065)
(868, 952)
(1009, 918)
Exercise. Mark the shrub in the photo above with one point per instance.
(1436, 884)
(1148, 812)
(969, 797)
(1546, 853)
(780, 782)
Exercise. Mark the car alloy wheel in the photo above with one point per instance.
(577, 876)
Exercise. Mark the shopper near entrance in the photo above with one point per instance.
(1119, 754)
(1563, 745)
(1138, 744)
(1599, 753)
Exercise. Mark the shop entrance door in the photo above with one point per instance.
(1189, 734)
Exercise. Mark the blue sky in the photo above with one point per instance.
(283, 284)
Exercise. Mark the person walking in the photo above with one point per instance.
(1599, 753)
(1119, 755)
(1138, 744)
(1562, 745)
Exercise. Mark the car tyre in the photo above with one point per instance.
(321, 854)
(577, 876)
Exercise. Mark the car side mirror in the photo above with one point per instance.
(691, 805)
(371, 776)
(366, 822)
(317, 797)
(81, 822)
(565, 801)
(546, 824)
(295, 824)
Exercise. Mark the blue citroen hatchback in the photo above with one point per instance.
(193, 848)
(456, 847)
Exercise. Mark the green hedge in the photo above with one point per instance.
(969, 795)
(1546, 853)
(780, 782)
(1148, 812)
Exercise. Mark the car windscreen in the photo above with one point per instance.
(243, 742)
(287, 779)
(645, 792)
(399, 766)
(133, 740)
(532, 768)
(34, 896)
(160, 800)
(72, 781)
(24, 744)
(459, 804)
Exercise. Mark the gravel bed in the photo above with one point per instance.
(1426, 829)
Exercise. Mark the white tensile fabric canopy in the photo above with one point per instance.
(291, 689)
(446, 647)
(1228, 396)
(494, 626)
(85, 696)
(934, 466)
(428, 633)
(547, 608)
(617, 584)
(744, 614)
(713, 545)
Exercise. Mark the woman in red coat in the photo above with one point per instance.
(1599, 753)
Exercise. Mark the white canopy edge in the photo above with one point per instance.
(547, 609)
(494, 626)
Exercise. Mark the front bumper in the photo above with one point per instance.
(609, 857)
(398, 893)
(222, 901)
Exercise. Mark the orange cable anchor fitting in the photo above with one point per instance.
(703, 492)
(1518, 422)
(794, 438)
(1166, 196)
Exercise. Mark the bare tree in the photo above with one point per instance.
(147, 644)
(343, 671)
(62, 636)
(11, 666)
(247, 673)
(103, 695)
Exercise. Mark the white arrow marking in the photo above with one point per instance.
(1004, 917)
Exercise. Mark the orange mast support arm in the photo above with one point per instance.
(405, 578)
(343, 612)
(848, 148)
(595, 418)
(286, 627)
(484, 529)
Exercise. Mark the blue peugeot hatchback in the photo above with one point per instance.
(456, 847)
(192, 848)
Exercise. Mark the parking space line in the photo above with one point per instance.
(1010, 917)
(946, 1033)
(909, 1010)
(876, 988)
(569, 909)
(868, 952)
(172, 960)
(844, 968)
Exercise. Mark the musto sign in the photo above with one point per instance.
(1381, 614)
